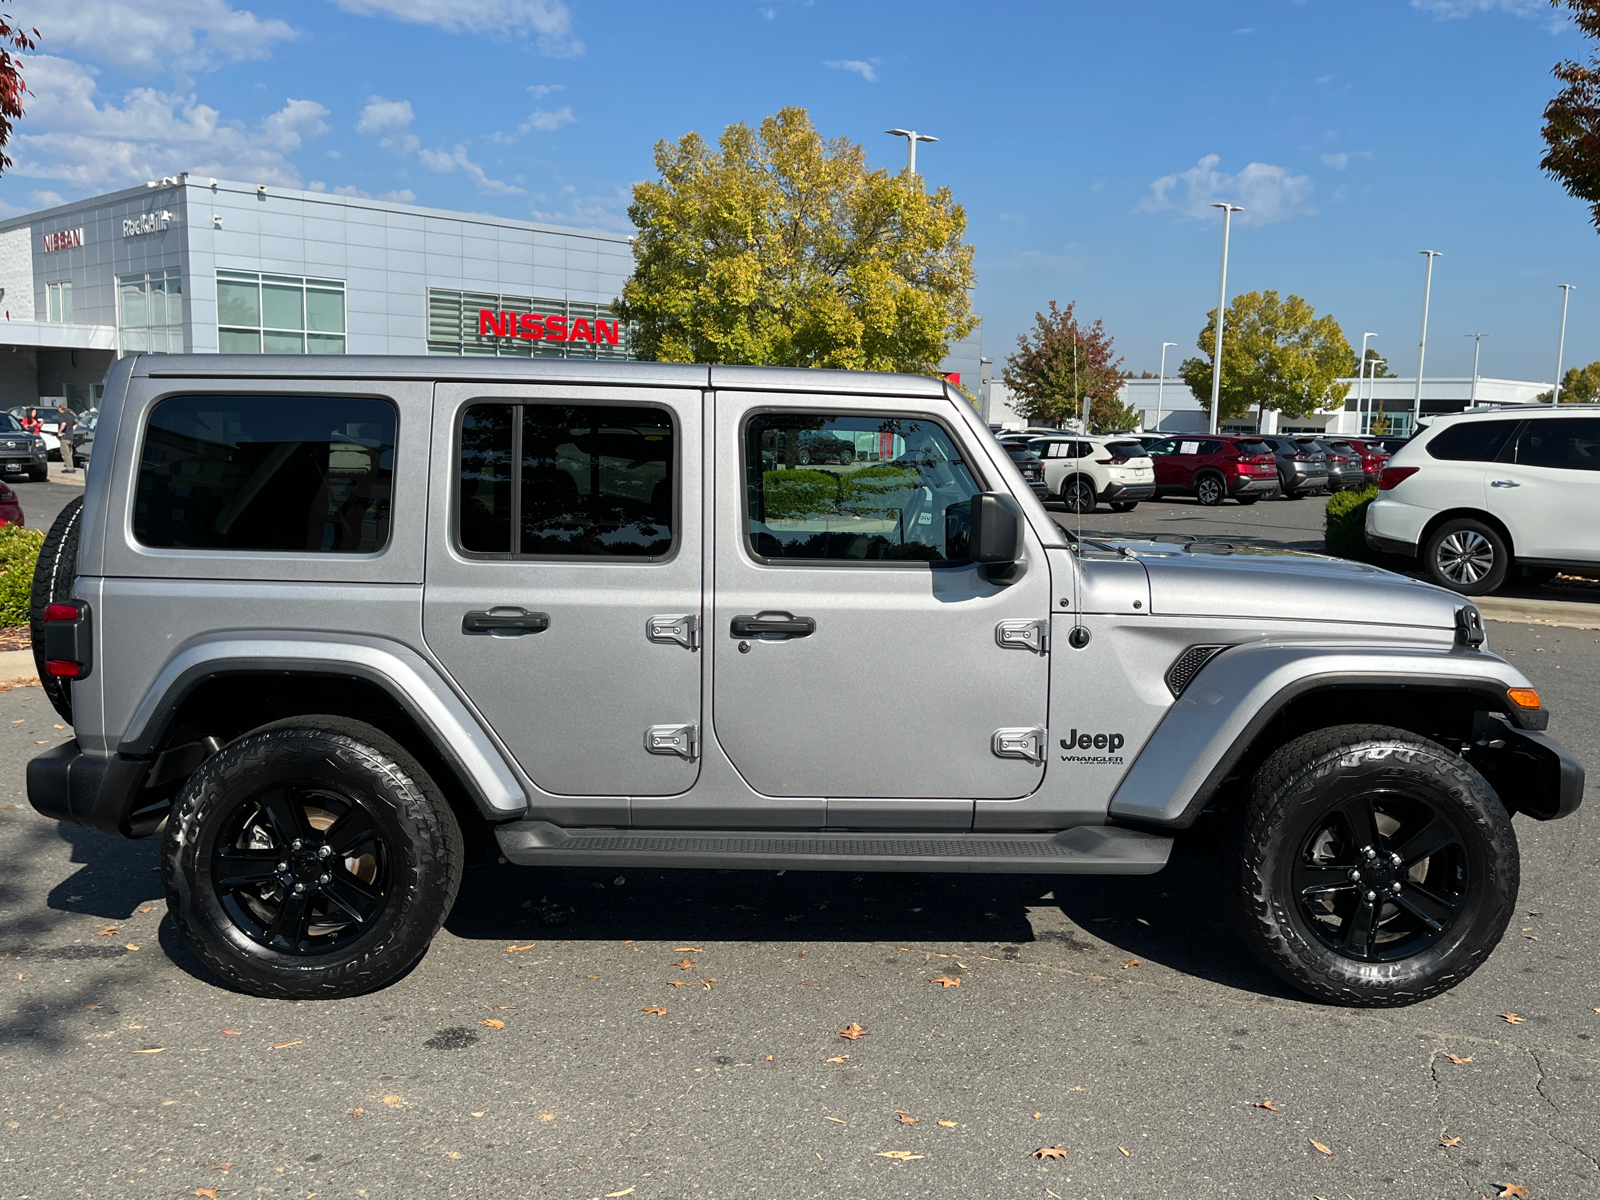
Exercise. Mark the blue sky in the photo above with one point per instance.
(1084, 139)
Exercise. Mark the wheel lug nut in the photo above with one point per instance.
(1355, 876)
(297, 843)
(1395, 888)
(283, 866)
(1371, 896)
(324, 851)
(1394, 860)
(325, 878)
(299, 887)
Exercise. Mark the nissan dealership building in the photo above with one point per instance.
(192, 265)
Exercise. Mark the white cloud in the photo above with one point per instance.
(86, 146)
(541, 90)
(388, 121)
(867, 69)
(46, 199)
(1337, 161)
(538, 119)
(1453, 9)
(1267, 193)
(176, 36)
(445, 161)
(548, 21)
(403, 196)
(589, 212)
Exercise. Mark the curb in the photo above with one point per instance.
(1568, 614)
(58, 474)
(17, 666)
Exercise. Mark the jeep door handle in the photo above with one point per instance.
(507, 622)
(772, 623)
(1503, 483)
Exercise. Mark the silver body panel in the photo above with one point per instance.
(884, 719)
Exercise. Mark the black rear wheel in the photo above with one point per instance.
(1209, 491)
(53, 577)
(1374, 868)
(1078, 495)
(313, 858)
(1467, 556)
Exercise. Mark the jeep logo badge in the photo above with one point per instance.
(1110, 742)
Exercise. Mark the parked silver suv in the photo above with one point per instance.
(331, 627)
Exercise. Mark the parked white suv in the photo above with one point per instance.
(1081, 470)
(1486, 497)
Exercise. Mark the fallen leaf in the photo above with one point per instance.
(108, 931)
(94, 1007)
(394, 1101)
(685, 964)
(1449, 1141)
(1321, 1149)
(1049, 1152)
(1125, 1153)
(768, 1058)
(484, 1113)
(835, 1120)
(518, 949)
(654, 1010)
(591, 977)
(706, 983)
(1512, 1019)
(906, 1118)
(1530, 937)
(208, 1193)
(907, 1156)
(492, 1023)
(357, 1112)
(144, 910)
(687, 950)
(151, 1050)
(1037, 1115)
(614, 1195)
(1508, 1191)
(286, 1045)
(130, 946)
(1129, 962)
(454, 1156)
(840, 1058)
(229, 1032)
(851, 1032)
(948, 1124)
(1458, 1060)
(944, 981)
(680, 983)
(547, 1117)
(224, 1167)
(1268, 1104)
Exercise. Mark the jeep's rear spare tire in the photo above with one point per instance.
(313, 858)
(53, 578)
(1374, 867)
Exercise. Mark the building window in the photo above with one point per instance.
(279, 314)
(482, 323)
(59, 301)
(150, 312)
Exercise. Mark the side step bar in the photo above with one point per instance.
(1086, 850)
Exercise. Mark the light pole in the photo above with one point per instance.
(1422, 346)
(912, 137)
(1361, 375)
(1561, 343)
(1161, 382)
(1477, 345)
(1372, 391)
(1222, 302)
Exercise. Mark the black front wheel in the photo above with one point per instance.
(311, 859)
(1374, 867)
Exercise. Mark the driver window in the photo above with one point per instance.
(1162, 449)
(855, 488)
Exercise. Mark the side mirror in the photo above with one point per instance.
(996, 535)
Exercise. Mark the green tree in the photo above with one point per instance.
(1377, 366)
(1276, 354)
(1060, 363)
(1572, 118)
(1580, 385)
(781, 249)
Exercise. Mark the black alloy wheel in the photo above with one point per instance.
(1382, 875)
(1373, 867)
(1078, 495)
(300, 868)
(1209, 490)
(312, 859)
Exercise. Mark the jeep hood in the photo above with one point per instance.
(1219, 579)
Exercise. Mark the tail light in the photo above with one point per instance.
(1393, 475)
(7, 496)
(1112, 462)
(1339, 458)
(67, 640)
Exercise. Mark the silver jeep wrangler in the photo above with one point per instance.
(333, 626)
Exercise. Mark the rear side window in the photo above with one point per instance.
(284, 473)
(1571, 443)
(1472, 441)
(567, 480)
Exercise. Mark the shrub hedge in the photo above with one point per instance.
(19, 554)
(1345, 530)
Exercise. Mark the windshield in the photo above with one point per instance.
(1127, 449)
(9, 424)
(1252, 448)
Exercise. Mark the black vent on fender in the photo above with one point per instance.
(1187, 665)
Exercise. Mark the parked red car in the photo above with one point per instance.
(1373, 456)
(1213, 468)
(10, 507)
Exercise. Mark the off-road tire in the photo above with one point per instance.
(1210, 490)
(1465, 534)
(409, 809)
(53, 578)
(38, 474)
(1293, 788)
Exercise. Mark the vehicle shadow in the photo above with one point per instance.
(114, 876)
(1176, 918)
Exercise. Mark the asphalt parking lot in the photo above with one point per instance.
(1115, 1018)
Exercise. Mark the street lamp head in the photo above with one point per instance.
(900, 132)
(1432, 253)
(1233, 208)
(922, 137)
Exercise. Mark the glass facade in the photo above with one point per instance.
(279, 314)
(150, 312)
(565, 328)
(58, 301)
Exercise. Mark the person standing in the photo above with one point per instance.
(67, 422)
